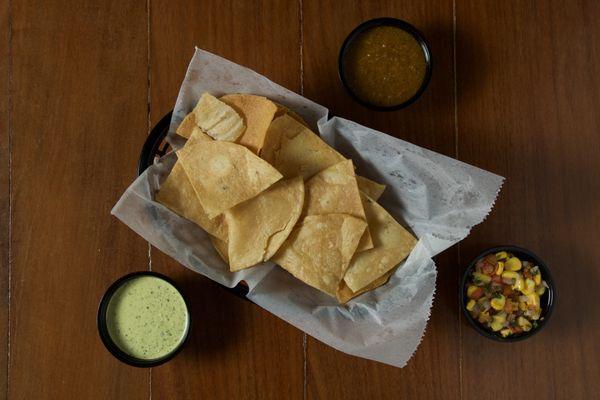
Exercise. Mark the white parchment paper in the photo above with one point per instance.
(435, 196)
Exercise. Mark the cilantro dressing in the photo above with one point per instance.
(147, 318)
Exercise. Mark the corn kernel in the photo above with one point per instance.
(500, 317)
(510, 275)
(505, 332)
(483, 317)
(538, 279)
(528, 287)
(518, 285)
(502, 255)
(477, 276)
(498, 302)
(500, 268)
(522, 306)
(496, 326)
(470, 305)
(541, 290)
(533, 300)
(471, 289)
(513, 264)
(524, 323)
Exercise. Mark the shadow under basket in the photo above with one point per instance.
(154, 148)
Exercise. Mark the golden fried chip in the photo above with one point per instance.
(177, 194)
(294, 150)
(344, 293)
(197, 136)
(221, 248)
(258, 227)
(334, 190)
(281, 110)
(187, 125)
(217, 119)
(392, 243)
(257, 112)
(224, 174)
(319, 249)
(371, 188)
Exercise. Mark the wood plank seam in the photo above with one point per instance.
(304, 338)
(9, 252)
(458, 269)
(149, 128)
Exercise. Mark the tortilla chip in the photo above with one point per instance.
(294, 150)
(334, 190)
(257, 112)
(259, 226)
(371, 188)
(344, 293)
(319, 249)
(392, 243)
(177, 194)
(225, 174)
(187, 125)
(220, 247)
(198, 135)
(281, 110)
(217, 119)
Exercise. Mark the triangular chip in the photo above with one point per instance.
(319, 249)
(187, 126)
(190, 130)
(281, 109)
(257, 112)
(258, 227)
(177, 194)
(220, 247)
(334, 190)
(371, 188)
(295, 150)
(217, 119)
(392, 243)
(224, 174)
(198, 135)
(345, 294)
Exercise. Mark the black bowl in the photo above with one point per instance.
(398, 23)
(112, 346)
(547, 300)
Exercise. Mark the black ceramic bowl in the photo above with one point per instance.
(111, 345)
(385, 22)
(547, 300)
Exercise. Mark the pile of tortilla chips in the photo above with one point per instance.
(265, 187)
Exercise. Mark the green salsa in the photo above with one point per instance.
(147, 318)
(385, 66)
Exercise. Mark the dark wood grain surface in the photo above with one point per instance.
(79, 105)
(514, 90)
(4, 191)
(528, 109)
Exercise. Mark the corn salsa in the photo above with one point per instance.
(384, 66)
(504, 294)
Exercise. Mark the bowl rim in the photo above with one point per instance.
(547, 277)
(386, 21)
(108, 342)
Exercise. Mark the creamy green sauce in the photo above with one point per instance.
(147, 318)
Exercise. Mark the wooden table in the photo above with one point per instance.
(515, 90)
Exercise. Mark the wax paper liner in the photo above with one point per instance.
(436, 197)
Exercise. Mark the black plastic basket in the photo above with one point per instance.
(155, 147)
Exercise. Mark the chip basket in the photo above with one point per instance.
(154, 148)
